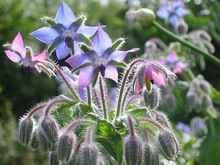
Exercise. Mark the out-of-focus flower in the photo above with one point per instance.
(198, 126)
(153, 71)
(99, 58)
(174, 63)
(72, 79)
(17, 53)
(172, 11)
(183, 128)
(68, 29)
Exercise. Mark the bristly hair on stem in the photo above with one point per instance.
(123, 84)
(104, 108)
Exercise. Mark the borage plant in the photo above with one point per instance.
(93, 123)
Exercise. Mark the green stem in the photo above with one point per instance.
(89, 99)
(212, 126)
(123, 84)
(188, 44)
(103, 98)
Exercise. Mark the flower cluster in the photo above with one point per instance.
(93, 122)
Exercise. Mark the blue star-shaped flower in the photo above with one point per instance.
(67, 31)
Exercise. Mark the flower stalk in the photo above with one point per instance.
(188, 44)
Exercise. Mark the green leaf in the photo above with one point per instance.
(85, 108)
(54, 45)
(84, 47)
(85, 39)
(119, 64)
(80, 20)
(110, 139)
(118, 43)
(149, 126)
(138, 112)
(49, 21)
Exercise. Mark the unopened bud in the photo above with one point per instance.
(44, 143)
(34, 142)
(25, 130)
(151, 155)
(152, 97)
(88, 154)
(205, 87)
(50, 128)
(65, 145)
(145, 16)
(133, 150)
(206, 101)
(192, 99)
(53, 159)
(181, 27)
(169, 144)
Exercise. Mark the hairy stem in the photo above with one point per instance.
(103, 98)
(36, 108)
(188, 44)
(149, 120)
(124, 80)
(89, 99)
(54, 102)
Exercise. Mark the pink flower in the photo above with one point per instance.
(153, 71)
(174, 63)
(17, 53)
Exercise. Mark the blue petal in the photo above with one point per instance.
(62, 50)
(181, 12)
(46, 35)
(163, 12)
(173, 20)
(87, 31)
(65, 15)
(101, 42)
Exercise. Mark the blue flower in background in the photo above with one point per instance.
(67, 31)
(172, 11)
(183, 127)
(198, 127)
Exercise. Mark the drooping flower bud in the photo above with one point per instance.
(44, 142)
(66, 143)
(205, 87)
(53, 159)
(144, 16)
(181, 27)
(34, 142)
(151, 155)
(25, 130)
(192, 99)
(88, 154)
(50, 128)
(88, 151)
(133, 146)
(206, 101)
(152, 97)
(169, 144)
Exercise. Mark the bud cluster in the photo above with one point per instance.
(198, 95)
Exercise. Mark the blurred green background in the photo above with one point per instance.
(21, 88)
